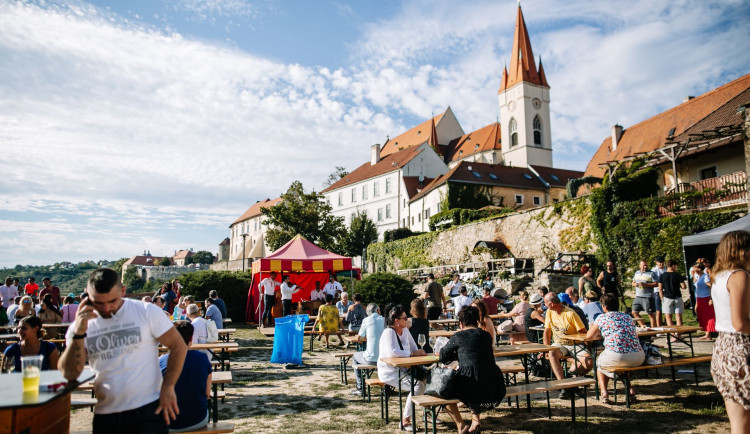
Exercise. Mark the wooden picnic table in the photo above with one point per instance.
(225, 333)
(221, 347)
(218, 377)
(58, 326)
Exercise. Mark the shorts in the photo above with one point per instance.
(657, 301)
(643, 304)
(673, 305)
(567, 350)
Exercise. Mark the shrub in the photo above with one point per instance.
(385, 288)
(232, 288)
(398, 234)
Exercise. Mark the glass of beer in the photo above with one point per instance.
(31, 366)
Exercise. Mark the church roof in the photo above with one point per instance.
(654, 132)
(522, 65)
(482, 140)
(414, 137)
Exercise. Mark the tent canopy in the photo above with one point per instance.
(713, 236)
(300, 255)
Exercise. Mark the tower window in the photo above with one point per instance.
(537, 131)
(513, 127)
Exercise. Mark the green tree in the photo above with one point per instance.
(385, 288)
(132, 280)
(469, 196)
(338, 173)
(362, 232)
(307, 214)
(201, 257)
(165, 262)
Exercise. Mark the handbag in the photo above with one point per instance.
(440, 383)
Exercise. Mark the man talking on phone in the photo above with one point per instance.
(120, 337)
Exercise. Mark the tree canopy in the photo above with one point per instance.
(338, 173)
(201, 257)
(307, 214)
(362, 232)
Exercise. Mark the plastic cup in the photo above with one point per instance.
(31, 366)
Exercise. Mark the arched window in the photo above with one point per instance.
(513, 127)
(537, 131)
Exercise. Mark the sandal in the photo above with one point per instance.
(605, 399)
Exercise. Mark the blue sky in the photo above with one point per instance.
(154, 124)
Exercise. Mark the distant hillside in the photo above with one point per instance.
(68, 277)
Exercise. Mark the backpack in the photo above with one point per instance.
(213, 332)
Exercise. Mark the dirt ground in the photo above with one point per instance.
(267, 398)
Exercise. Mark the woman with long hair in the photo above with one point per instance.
(730, 292)
(26, 308)
(50, 314)
(397, 342)
(30, 331)
(485, 322)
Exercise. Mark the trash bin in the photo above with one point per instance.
(288, 337)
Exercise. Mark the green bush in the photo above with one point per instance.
(232, 288)
(398, 234)
(385, 288)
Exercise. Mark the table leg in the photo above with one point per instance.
(596, 378)
(525, 361)
(216, 403)
(413, 407)
(669, 345)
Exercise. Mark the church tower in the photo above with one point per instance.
(524, 106)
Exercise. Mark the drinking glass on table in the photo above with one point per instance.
(9, 365)
(432, 342)
(31, 367)
(421, 340)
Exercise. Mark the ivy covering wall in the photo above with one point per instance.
(412, 252)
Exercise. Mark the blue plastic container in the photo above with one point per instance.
(288, 337)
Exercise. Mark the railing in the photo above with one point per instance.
(718, 192)
(470, 270)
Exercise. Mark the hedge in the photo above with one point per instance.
(385, 288)
(231, 286)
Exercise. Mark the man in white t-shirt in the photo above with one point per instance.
(8, 293)
(317, 294)
(333, 287)
(461, 301)
(120, 337)
(200, 330)
(267, 287)
(453, 288)
(287, 290)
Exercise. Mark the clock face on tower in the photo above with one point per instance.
(537, 103)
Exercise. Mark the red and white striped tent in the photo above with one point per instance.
(305, 262)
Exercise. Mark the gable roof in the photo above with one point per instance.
(482, 140)
(254, 210)
(489, 174)
(182, 254)
(413, 186)
(145, 260)
(386, 164)
(556, 177)
(413, 137)
(653, 133)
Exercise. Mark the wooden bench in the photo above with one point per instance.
(365, 371)
(211, 428)
(551, 386)
(343, 360)
(385, 392)
(510, 372)
(623, 373)
(432, 405)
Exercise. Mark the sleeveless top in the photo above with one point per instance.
(720, 296)
(610, 283)
(531, 335)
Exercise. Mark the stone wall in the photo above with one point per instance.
(167, 273)
(233, 265)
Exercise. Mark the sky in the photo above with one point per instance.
(152, 125)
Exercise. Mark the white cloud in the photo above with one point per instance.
(109, 123)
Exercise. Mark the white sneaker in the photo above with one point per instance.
(355, 392)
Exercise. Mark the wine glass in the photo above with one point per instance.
(9, 365)
(421, 340)
(432, 342)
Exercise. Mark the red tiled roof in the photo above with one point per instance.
(413, 137)
(548, 174)
(652, 133)
(489, 174)
(386, 164)
(145, 260)
(482, 140)
(255, 209)
(413, 186)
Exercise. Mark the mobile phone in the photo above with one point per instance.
(86, 302)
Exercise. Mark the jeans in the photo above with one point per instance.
(359, 359)
(140, 420)
(268, 301)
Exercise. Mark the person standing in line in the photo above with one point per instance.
(730, 292)
(127, 400)
(8, 293)
(218, 302)
(213, 314)
(644, 282)
(267, 287)
(287, 290)
(704, 306)
(49, 289)
(658, 270)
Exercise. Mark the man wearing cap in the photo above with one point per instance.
(658, 270)
(49, 289)
(560, 321)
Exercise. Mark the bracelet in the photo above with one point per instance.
(79, 336)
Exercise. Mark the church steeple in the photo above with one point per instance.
(433, 137)
(522, 65)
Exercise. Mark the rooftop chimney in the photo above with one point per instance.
(375, 154)
(687, 98)
(616, 135)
